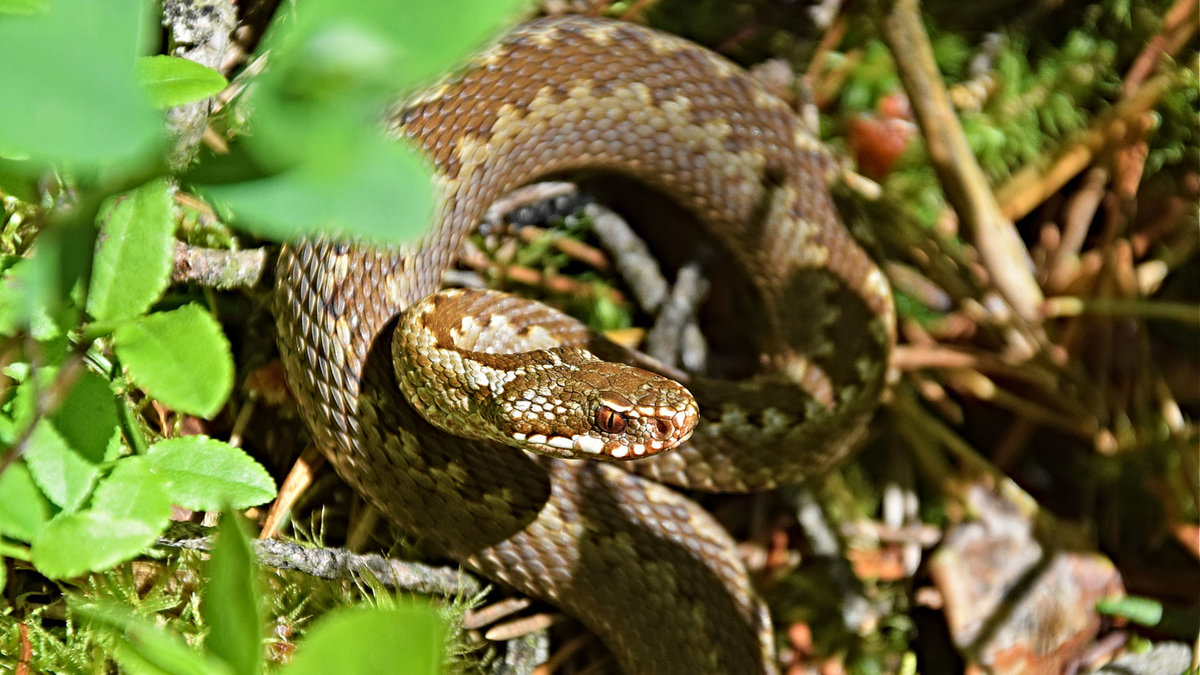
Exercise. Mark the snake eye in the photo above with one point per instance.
(610, 420)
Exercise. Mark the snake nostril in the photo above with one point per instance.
(664, 427)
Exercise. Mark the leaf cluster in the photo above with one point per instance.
(166, 623)
(91, 335)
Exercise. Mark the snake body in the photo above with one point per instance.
(645, 568)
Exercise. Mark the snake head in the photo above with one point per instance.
(592, 409)
(453, 364)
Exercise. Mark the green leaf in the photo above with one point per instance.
(134, 253)
(64, 450)
(74, 543)
(405, 639)
(64, 475)
(427, 38)
(334, 68)
(132, 491)
(143, 647)
(22, 407)
(23, 509)
(179, 357)
(16, 181)
(171, 80)
(25, 7)
(128, 513)
(205, 475)
(87, 419)
(70, 93)
(378, 190)
(30, 294)
(37, 292)
(229, 602)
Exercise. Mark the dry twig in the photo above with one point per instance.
(967, 189)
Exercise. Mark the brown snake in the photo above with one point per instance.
(642, 566)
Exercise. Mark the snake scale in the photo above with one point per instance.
(644, 567)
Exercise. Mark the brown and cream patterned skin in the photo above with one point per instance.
(644, 567)
(495, 367)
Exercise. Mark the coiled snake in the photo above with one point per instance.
(642, 566)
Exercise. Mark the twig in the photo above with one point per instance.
(1179, 25)
(1077, 219)
(915, 357)
(857, 609)
(554, 662)
(455, 278)
(525, 654)
(526, 196)
(823, 15)
(914, 532)
(933, 392)
(1183, 312)
(26, 650)
(975, 384)
(219, 269)
(202, 37)
(631, 256)
(523, 626)
(472, 257)
(665, 340)
(241, 420)
(1013, 443)
(927, 428)
(916, 285)
(967, 189)
(693, 348)
(1034, 184)
(572, 248)
(363, 525)
(297, 481)
(474, 619)
(335, 563)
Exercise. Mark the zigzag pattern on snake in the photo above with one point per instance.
(645, 568)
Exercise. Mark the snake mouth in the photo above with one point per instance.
(581, 446)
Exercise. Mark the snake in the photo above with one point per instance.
(615, 543)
